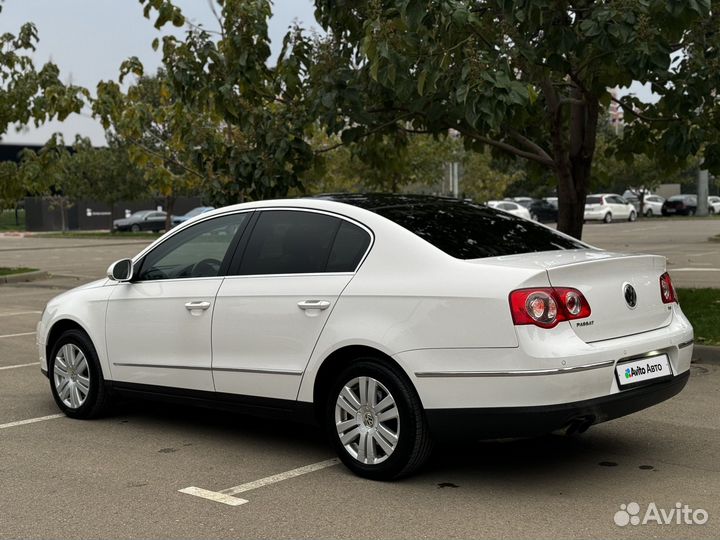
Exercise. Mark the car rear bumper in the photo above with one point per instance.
(503, 422)
(595, 214)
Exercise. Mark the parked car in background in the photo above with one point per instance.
(552, 200)
(511, 207)
(714, 204)
(683, 205)
(144, 220)
(541, 210)
(177, 220)
(606, 207)
(523, 200)
(652, 205)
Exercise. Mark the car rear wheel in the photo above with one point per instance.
(632, 217)
(711, 211)
(607, 218)
(76, 380)
(691, 213)
(135, 228)
(376, 422)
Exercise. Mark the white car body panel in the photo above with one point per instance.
(151, 334)
(652, 204)
(618, 210)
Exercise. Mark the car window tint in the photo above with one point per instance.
(289, 242)
(350, 245)
(468, 231)
(197, 251)
(593, 200)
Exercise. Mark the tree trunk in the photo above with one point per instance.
(573, 144)
(169, 208)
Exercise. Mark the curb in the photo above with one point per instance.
(25, 276)
(705, 354)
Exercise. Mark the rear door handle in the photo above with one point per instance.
(197, 305)
(314, 304)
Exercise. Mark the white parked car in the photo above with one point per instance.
(391, 320)
(608, 206)
(714, 204)
(514, 208)
(652, 205)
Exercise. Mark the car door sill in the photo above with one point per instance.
(300, 411)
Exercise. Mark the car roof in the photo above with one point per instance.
(375, 201)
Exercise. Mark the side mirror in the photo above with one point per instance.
(121, 270)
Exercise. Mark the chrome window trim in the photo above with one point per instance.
(517, 372)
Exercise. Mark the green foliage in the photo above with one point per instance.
(525, 78)
(256, 147)
(28, 95)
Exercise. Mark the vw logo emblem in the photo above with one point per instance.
(630, 295)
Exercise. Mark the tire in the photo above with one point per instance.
(711, 211)
(534, 217)
(413, 444)
(649, 213)
(64, 352)
(607, 218)
(135, 228)
(632, 216)
(691, 213)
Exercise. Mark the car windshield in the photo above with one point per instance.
(593, 200)
(469, 231)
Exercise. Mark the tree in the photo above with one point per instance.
(29, 95)
(524, 78)
(161, 134)
(259, 146)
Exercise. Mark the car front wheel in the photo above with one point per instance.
(76, 379)
(633, 216)
(135, 228)
(376, 422)
(607, 218)
(649, 212)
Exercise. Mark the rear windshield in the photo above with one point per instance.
(469, 231)
(593, 200)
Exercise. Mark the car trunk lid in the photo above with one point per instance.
(603, 278)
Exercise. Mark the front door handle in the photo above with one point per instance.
(197, 305)
(314, 304)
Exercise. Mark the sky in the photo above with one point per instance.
(89, 39)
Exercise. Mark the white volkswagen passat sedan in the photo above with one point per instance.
(391, 320)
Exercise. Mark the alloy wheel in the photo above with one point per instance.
(367, 420)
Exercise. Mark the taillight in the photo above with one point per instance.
(547, 306)
(667, 291)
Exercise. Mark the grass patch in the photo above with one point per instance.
(99, 234)
(702, 307)
(4, 271)
(8, 223)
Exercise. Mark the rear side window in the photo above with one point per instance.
(289, 242)
(468, 231)
(593, 200)
(350, 245)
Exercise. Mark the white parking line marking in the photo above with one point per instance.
(20, 365)
(20, 313)
(30, 421)
(226, 496)
(213, 496)
(18, 335)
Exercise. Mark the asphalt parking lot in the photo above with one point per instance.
(120, 476)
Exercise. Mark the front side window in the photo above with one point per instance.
(290, 242)
(197, 251)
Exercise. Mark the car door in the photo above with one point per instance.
(288, 275)
(154, 221)
(158, 325)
